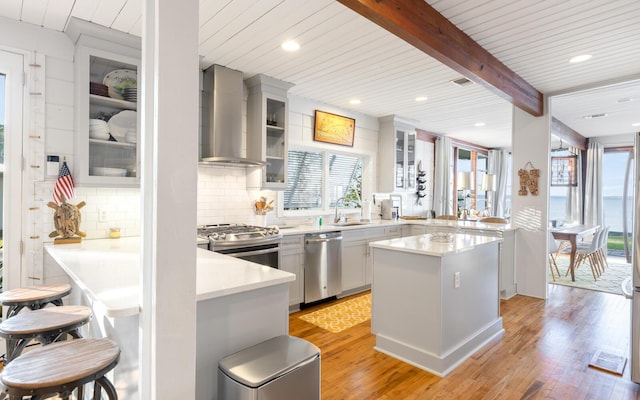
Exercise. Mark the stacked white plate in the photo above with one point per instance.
(131, 136)
(120, 124)
(100, 171)
(98, 129)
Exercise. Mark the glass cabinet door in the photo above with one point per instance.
(400, 143)
(411, 161)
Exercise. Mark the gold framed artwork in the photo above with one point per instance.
(332, 128)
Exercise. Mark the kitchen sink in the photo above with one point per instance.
(350, 223)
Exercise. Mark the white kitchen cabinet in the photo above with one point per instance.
(507, 265)
(114, 161)
(396, 155)
(292, 260)
(267, 118)
(414, 230)
(354, 254)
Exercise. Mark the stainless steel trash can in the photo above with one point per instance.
(285, 367)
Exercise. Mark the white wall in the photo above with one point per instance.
(222, 193)
(531, 146)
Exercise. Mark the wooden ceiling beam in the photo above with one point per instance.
(422, 26)
(567, 135)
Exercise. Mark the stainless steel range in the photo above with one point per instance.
(257, 244)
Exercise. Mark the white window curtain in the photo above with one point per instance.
(498, 165)
(443, 182)
(593, 203)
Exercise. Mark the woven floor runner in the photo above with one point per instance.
(343, 315)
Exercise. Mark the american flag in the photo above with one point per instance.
(64, 184)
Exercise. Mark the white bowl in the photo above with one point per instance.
(102, 171)
(97, 122)
(102, 135)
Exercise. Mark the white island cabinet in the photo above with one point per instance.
(239, 304)
(434, 303)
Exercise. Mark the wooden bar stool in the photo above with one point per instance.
(33, 297)
(46, 326)
(60, 368)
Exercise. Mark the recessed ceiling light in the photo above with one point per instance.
(580, 58)
(422, 98)
(355, 101)
(479, 124)
(290, 45)
(636, 124)
(625, 100)
(601, 115)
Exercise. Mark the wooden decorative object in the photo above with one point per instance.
(66, 219)
(528, 180)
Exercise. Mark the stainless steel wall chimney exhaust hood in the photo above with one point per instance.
(222, 118)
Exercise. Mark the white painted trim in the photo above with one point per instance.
(12, 65)
(169, 187)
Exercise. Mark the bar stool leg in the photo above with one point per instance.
(108, 387)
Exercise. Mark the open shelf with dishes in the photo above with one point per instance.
(267, 131)
(106, 118)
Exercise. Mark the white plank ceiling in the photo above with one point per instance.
(344, 56)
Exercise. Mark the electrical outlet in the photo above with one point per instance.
(102, 215)
(456, 280)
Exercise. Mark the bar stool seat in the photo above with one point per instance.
(33, 297)
(61, 367)
(46, 325)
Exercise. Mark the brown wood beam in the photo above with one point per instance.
(426, 136)
(567, 135)
(422, 26)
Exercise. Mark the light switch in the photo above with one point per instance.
(53, 166)
(456, 280)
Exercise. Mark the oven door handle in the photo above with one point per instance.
(253, 253)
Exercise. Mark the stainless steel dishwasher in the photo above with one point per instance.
(322, 265)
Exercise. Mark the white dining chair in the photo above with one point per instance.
(553, 253)
(590, 255)
(602, 249)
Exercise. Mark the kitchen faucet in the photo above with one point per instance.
(337, 217)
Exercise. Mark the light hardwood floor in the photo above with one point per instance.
(544, 354)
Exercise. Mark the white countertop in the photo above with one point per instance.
(467, 224)
(431, 246)
(108, 270)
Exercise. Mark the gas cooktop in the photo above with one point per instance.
(223, 232)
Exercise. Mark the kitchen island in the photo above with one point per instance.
(435, 299)
(412, 227)
(239, 303)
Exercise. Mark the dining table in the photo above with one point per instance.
(571, 234)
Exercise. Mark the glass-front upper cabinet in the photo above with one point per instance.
(267, 119)
(107, 122)
(405, 160)
(396, 171)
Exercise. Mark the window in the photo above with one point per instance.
(309, 190)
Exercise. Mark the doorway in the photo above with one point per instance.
(11, 135)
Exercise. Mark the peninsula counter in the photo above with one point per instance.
(239, 303)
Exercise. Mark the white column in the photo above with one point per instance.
(531, 144)
(169, 184)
